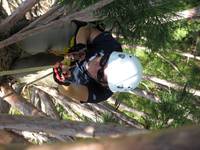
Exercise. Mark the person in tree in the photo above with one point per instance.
(99, 69)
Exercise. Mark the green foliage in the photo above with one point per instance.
(175, 109)
(148, 23)
(79, 3)
(194, 78)
(185, 35)
(144, 20)
(108, 118)
(14, 111)
(62, 113)
(141, 20)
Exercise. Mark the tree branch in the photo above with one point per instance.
(145, 94)
(47, 105)
(69, 128)
(17, 101)
(19, 13)
(129, 121)
(7, 137)
(124, 107)
(68, 103)
(185, 138)
(170, 84)
(77, 15)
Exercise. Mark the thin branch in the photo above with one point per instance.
(52, 13)
(145, 94)
(124, 107)
(67, 103)
(171, 84)
(187, 14)
(172, 64)
(129, 121)
(188, 55)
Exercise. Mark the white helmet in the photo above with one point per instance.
(124, 72)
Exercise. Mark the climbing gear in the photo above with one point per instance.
(66, 49)
(61, 71)
(24, 70)
(124, 72)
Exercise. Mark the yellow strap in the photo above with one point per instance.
(34, 69)
(66, 49)
(24, 70)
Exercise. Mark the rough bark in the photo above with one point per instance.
(68, 103)
(186, 138)
(7, 137)
(47, 105)
(4, 106)
(28, 109)
(19, 13)
(77, 15)
(52, 14)
(69, 128)
(17, 101)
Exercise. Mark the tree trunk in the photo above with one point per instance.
(47, 105)
(81, 15)
(186, 138)
(7, 137)
(68, 103)
(4, 106)
(19, 13)
(17, 101)
(69, 128)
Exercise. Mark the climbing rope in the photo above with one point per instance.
(24, 70)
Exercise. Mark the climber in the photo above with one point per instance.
(99, 67)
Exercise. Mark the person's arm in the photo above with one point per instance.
(78, 93)
(86, 34)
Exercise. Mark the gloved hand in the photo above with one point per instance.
(61, 73)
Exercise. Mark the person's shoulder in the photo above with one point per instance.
(95, 91)
(103, 36)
